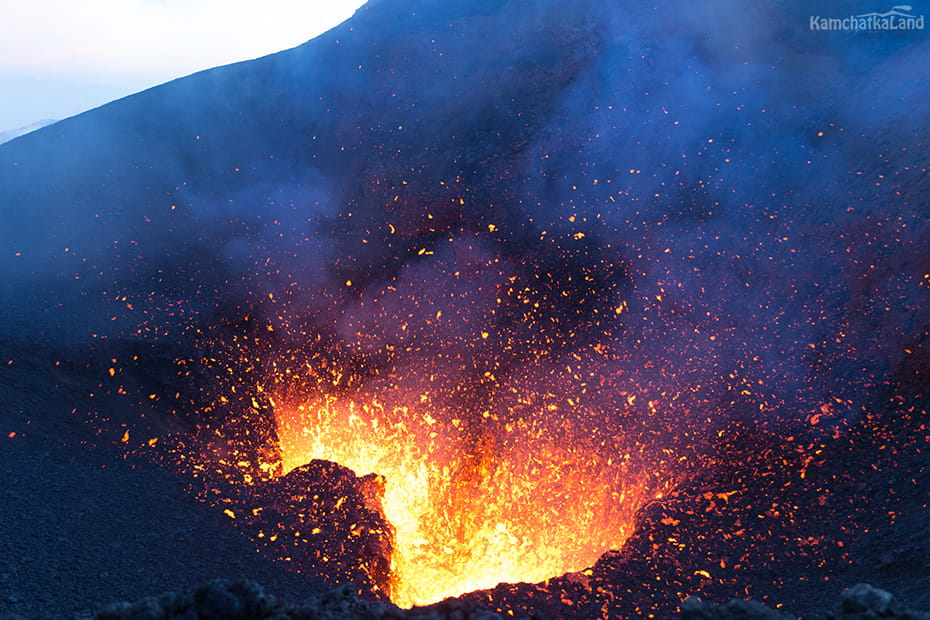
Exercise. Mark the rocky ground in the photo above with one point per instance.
(80, 526)
(247, 600)
(84, 525)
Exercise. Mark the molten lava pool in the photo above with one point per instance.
(473, 505)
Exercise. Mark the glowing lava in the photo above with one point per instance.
(509, 503)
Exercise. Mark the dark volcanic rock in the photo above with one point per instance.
(246, 600)
(233, 601)
(696, 609)
(866, 602)
(326, 522)
(861, 602)
(222, 600)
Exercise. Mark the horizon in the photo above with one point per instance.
(57, 59)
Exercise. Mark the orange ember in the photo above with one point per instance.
(473, 505)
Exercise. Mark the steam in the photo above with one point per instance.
(704, 208)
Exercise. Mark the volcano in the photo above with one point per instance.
(563, 309)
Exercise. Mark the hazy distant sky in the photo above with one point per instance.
(60, 57)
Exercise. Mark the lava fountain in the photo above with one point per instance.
(522, 501)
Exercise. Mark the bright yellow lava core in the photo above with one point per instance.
(472, 510)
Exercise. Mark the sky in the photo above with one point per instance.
(60, 57)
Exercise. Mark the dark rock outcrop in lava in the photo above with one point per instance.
(326, 521)
(320, 519)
